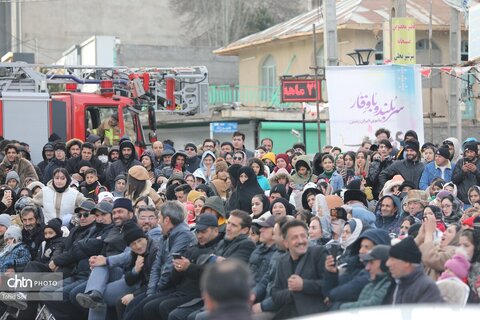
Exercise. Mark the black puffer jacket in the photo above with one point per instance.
(260, 260)
(409, 170)
(144, 276)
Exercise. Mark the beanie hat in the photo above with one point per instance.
(48, 147)
(459, 265)
(444, 152)
(14, 232)
(92, 138)
(283, 156)
(139, 173)
(412, 144)
(56, 225)
(194, 195)
(5, 220)
(120, 177)
(357, 195)
(271, 156)
(471, 146)
(131, 232)
(279, 188)
(406, 250)
(60, 146)
(123, 203)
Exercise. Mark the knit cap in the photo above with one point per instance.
(412, 144)
(14, 232)
(123, 203)
(132, 232)
(56, 225)
(5, 220)
(406, 250)
(444, 152)
(459, 265)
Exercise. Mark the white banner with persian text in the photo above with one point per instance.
(363, 99)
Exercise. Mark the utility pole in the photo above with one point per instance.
(330, 49)
(16, 22)
(454, 112)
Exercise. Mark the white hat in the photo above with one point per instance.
(14, 232)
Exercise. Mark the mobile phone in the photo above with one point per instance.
(176, 256)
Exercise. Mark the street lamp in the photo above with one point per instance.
(361, 56)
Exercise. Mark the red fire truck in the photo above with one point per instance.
(30, 111)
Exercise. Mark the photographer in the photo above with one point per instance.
(466, 173)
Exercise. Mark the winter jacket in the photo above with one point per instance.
(52, 165)
(434, 258)
(167, 171)
(177, 241)
(21, 166)
(260, 260)
(416, 287)
(141, 279)
(374, 170)
(431, 172)
(373, 294)
(263, 288)
(192, 163)
(465, 180)
(48, 247)
(188, 282)
(16, 258)
(73, 166)
(409, 170)
(311, 267)
(391, 224)
(33, 239)
(263, 182)
(43, 164)
(65, 257)
(336, 180)
(299, 180)
(240, 248)
(56, 204)
(122, 165)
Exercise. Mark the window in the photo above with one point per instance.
(422, 50)
(464, 51)
(269, 81)
(379, 52)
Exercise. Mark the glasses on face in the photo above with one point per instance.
(237, 158)
(85, 215)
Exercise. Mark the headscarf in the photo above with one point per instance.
(356, 227)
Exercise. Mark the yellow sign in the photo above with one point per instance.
(403, 40)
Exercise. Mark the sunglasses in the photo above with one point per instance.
(237, 158)
(85, 215)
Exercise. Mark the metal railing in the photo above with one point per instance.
(251, 96)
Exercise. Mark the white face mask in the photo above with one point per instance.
(103, 158)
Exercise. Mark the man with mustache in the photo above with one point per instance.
(298, 281)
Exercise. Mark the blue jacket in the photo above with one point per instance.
(390, 224)
(177, 241)
(431, 172)
(18, 257)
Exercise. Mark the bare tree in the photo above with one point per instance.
(216, 23)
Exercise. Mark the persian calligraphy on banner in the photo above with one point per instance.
(363, 99)
(403, 40)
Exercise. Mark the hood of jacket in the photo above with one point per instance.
(127, 144)
(304, 161)
(457, 147)
(377, 236)
(396, 202)
(49, 144)
(174, 158)
(204, 155)
(215, 203)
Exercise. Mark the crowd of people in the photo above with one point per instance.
(151, 236)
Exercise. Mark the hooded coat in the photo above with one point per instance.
(457, 155)
(390, 224)
(122, 165)
(43, 164)
(300, 180)
(207, 173)
(465, 180)
(241, 198)
(168, 171)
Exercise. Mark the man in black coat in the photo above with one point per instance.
(32, 230)
(235, 245)
(298, 281)
(466, 173)
(412, 284)
(410, 169)
(87, 154)
(126, 160)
